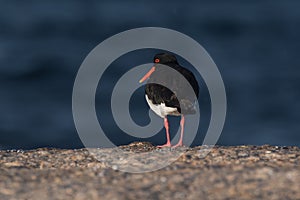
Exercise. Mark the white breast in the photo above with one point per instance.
(161, 109)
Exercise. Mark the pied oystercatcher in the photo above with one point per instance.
(162, 100)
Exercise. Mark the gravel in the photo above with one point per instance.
(227, 172)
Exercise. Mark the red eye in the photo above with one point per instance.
(156, 60)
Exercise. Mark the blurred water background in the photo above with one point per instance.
(255, 45)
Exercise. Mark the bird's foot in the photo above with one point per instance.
(179, 144)
(168, 144)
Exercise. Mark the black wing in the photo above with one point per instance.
(160, 94)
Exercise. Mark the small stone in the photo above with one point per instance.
(243, 154)
(254, 158)
(114, 167)
(13, 164)
(163, 179)
(292, 155)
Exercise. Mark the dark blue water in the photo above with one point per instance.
(42, 44)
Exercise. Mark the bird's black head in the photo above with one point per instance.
(160, 60)
(165, 58)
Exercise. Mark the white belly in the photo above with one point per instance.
(161, 109)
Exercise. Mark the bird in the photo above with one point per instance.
(164, 102)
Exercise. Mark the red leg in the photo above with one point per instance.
(168, 144)
(181, 132)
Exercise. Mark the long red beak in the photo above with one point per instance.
(147, 75)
